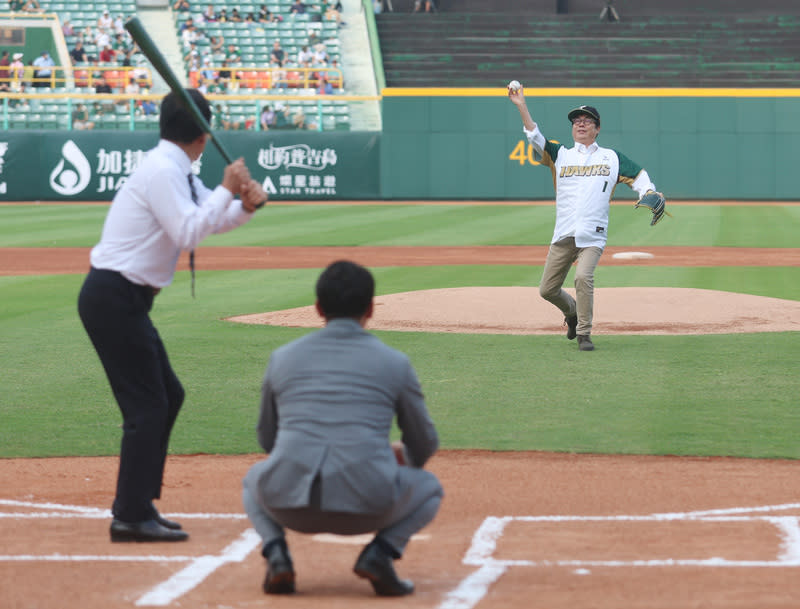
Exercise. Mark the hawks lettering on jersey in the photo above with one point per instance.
(569, 171)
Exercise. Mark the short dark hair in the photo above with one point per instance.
(175, 123)
(345, 289)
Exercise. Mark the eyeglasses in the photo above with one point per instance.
(583, 120)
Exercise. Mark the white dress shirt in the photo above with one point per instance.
(153, 218)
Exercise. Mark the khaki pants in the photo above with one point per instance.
(560, 258)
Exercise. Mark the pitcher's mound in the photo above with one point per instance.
(520, 310)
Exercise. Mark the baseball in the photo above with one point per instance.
(514, 86)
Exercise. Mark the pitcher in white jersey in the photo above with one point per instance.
(584, 177)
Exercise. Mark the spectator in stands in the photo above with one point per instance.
(206, 72)
(29, 74)
(321, 55)
(224, 74)
(5, 72)
(278, 55)
(132, 86)
(325, 87)
(222, 119)
(209, 14)
(148, 107)
(102, 38)
(85, 34)
(609, 13)
(119, 25)
(427, 4)
(335, 74)
(182, 6)
(32, 6)
(222, 17)
(78, 53)
(235, 16)
(125, 58)
(282, 120)
(266, 16)
(298, 8)
(216, 85)
(102, 85)
(216, 44)
(66, 27)
(304, 57)
(190, 35)
(232, 54)
(332, 11)
(267, 119)
(108, 55)
(43, 70)
(120, 43)
(104, 21)
(21, 104)
(17, 71)
(201, 84)
(80, 118)
(192, 60)
(279, 77)
(301, 122)
(16, 6)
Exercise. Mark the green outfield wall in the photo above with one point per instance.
(458, 144)
(91, 166)
(695, 144)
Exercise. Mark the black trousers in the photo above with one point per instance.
(115, 314)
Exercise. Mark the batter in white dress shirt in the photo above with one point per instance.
(151, 220)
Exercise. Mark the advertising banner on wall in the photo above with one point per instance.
(92, 166)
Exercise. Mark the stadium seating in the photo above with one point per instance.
(254, 43)
(459, 49)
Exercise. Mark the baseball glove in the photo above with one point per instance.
(656, 202)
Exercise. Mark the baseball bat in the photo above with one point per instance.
(150, 50)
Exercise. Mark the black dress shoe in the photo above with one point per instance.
(280, 570)
(170, 524)
(376, 565)
(146, 530)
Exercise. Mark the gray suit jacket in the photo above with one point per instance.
(327, 407)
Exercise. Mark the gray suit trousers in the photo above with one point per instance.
(419, 497)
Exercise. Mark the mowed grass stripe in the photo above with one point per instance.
(318, 225)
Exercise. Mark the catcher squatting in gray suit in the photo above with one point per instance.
(327, 407)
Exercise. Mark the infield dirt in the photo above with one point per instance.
(522, 530)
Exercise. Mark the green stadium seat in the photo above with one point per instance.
(50, 121)
(18, 120)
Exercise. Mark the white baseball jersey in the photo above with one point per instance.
(584, 178)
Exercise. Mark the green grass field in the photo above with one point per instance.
(693, 395)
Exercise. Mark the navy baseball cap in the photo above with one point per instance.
(587, 110)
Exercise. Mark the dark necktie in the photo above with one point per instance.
(191, 253)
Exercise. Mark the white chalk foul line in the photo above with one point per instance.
(72, 509)
(200, 568)
(90, 558)
(474, 587)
